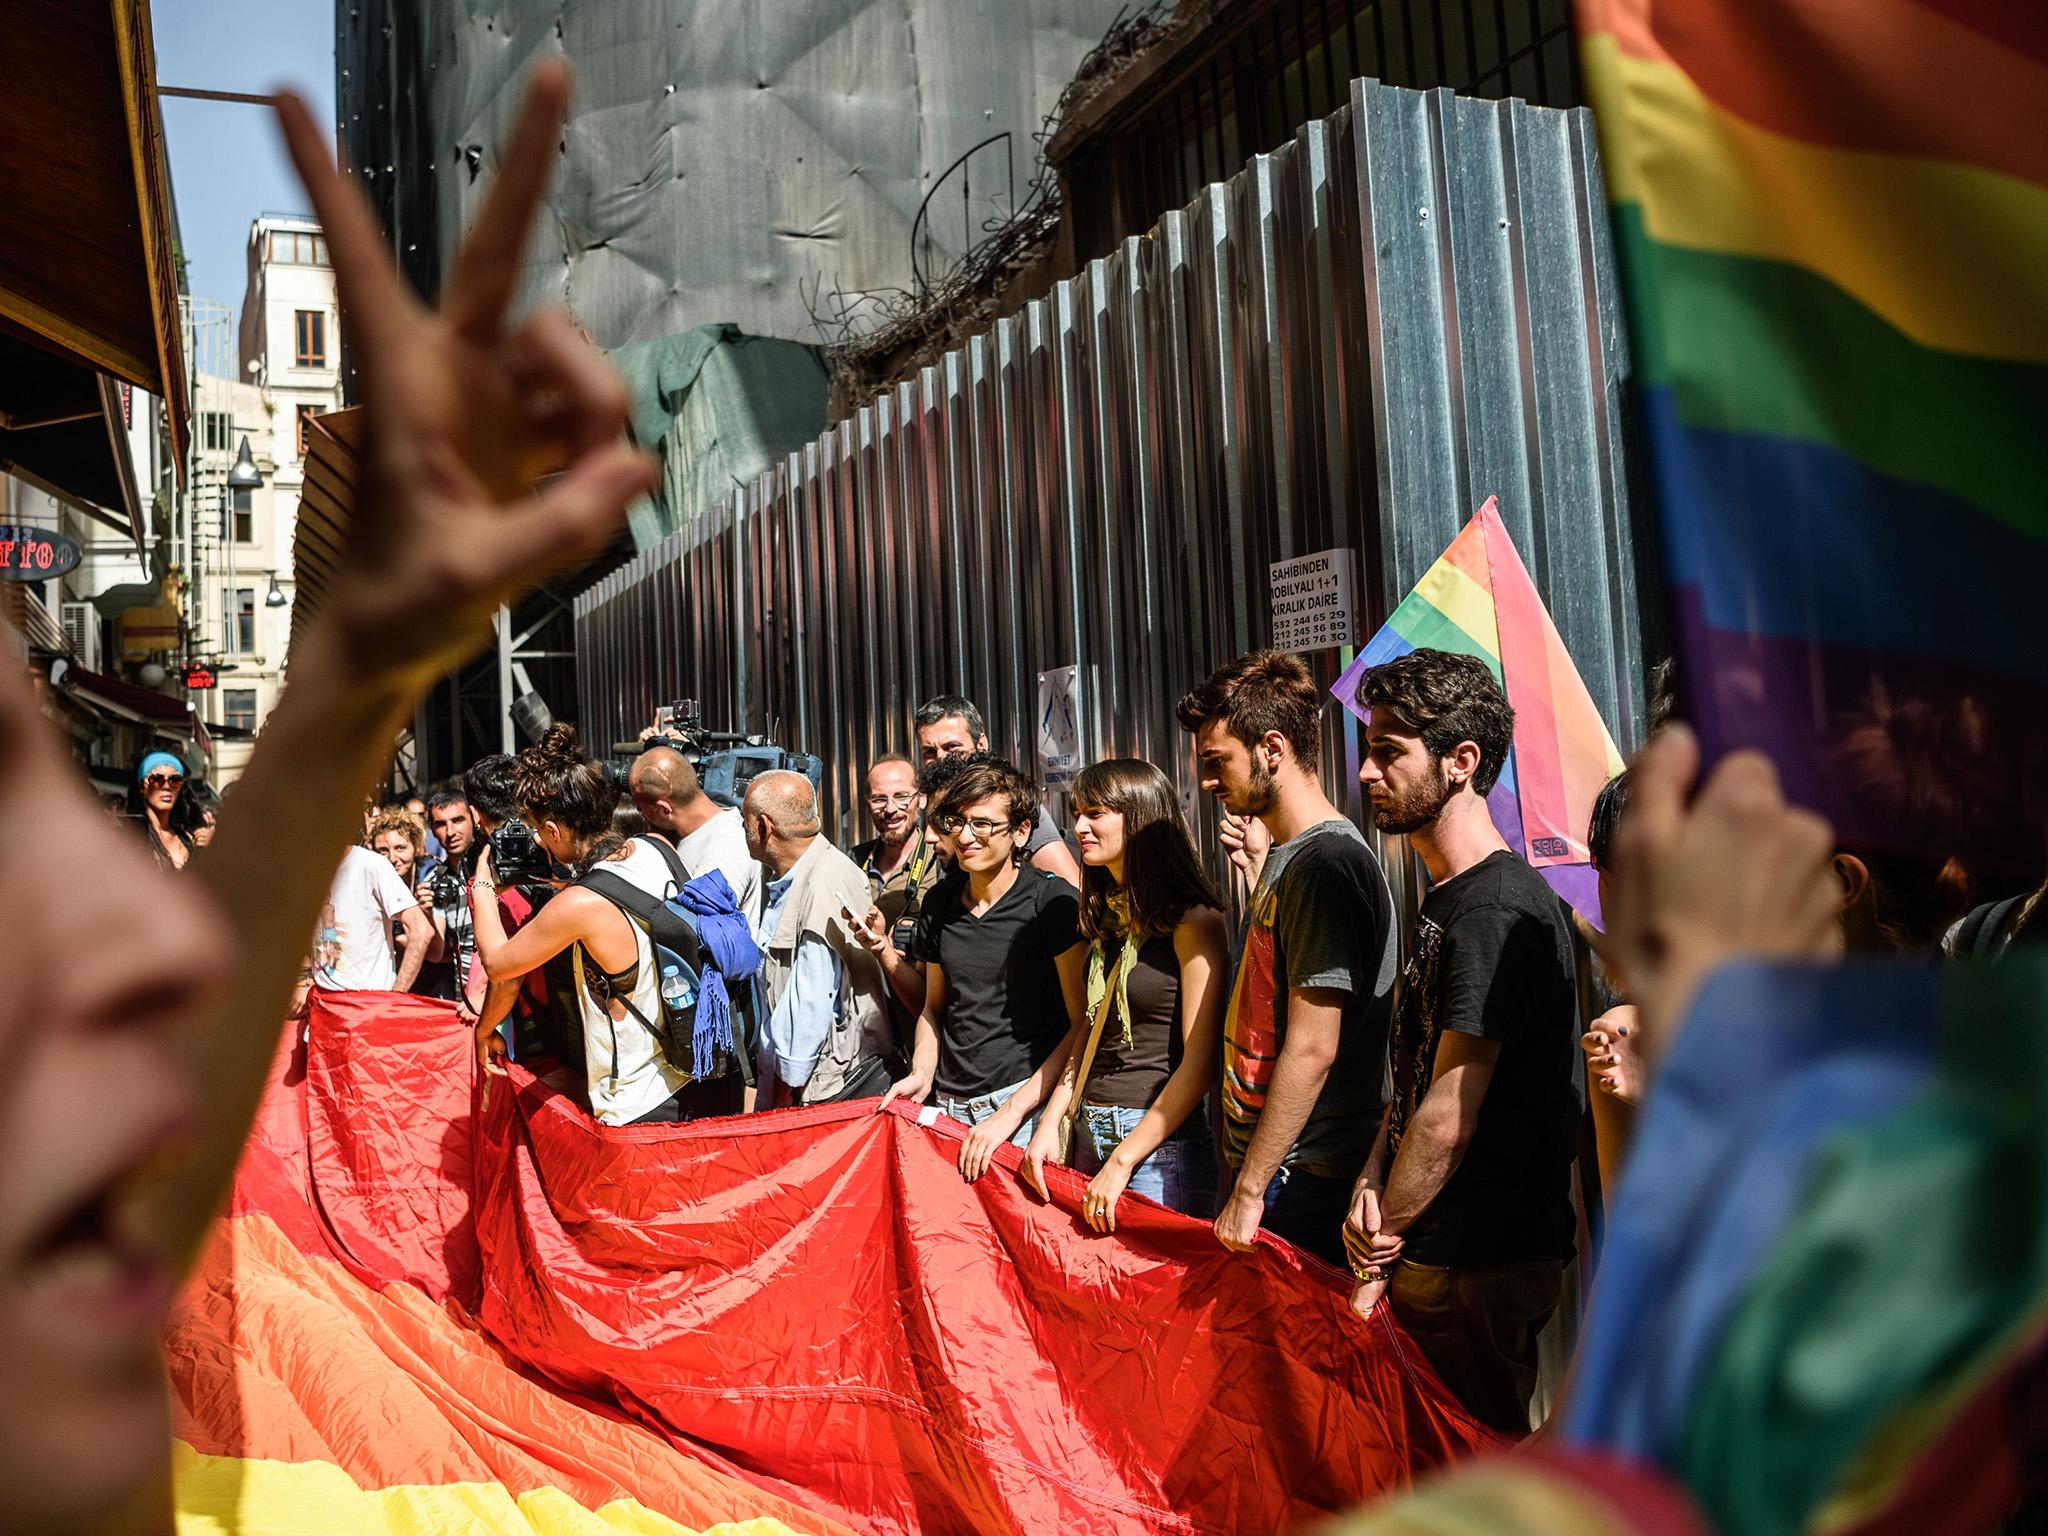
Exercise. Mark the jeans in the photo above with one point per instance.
(1181, 1172)
(1308, 1209)
(1478, 1326)
(975, 1110)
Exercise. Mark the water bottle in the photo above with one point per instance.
(677, 995)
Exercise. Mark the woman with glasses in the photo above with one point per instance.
(1005, 969)
(158, 803)
(1129, 1104)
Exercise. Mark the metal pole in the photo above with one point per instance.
(503, 625)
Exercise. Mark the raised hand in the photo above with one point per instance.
(462, 411)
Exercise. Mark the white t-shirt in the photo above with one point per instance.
(353, 952)
(628, 1076)
(721, 844)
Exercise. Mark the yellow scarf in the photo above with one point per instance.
(1102, 981)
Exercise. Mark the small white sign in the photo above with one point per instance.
(1313, 608)
(1059, 726)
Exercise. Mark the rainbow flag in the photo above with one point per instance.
(1832, 219)
(1478, 600)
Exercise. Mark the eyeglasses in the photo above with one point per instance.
(163, 781)
(891, 802)
(982, 828)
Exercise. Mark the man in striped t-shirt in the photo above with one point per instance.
(1305, 1040)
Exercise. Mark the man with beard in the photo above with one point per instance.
(1463, 1214)
(903, 863)
(1305, 1038)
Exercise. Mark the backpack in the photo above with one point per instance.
(674, 937)
(1982, 935)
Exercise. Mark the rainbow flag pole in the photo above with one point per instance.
(1478, 600)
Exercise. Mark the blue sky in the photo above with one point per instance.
(227, 162)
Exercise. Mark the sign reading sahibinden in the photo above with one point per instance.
(35, 554)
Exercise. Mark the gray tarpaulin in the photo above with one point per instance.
(722, 156)
(719, 409)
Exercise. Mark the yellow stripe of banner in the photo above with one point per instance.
(1950, 255)
(1462, 600)
(229, 1496)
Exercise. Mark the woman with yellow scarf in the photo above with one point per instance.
(1130, 1107)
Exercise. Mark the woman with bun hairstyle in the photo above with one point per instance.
(568, 802)
(1157, 971)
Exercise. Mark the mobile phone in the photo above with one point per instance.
(665, 718)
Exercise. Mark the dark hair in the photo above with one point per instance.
(1265, 691)
(444, 797)
(556, 780)
(1608, 806)
(932, 782)
(989, 776)
(1447, 699)
(1163, 874)
(189, 811)
(951, 706)
(489, 787)
(1663, 693)
(627, 820)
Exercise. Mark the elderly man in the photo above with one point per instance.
(828, 1034)
(666, 790)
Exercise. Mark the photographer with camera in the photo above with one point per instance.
(567, 800)
(443, 897)
(665, 787)
(535, 1004)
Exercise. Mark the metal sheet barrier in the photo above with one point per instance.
(1350, 344)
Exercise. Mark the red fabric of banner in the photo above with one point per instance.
(816, 1302)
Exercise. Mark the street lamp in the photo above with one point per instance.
(275, 597)
(244, 476)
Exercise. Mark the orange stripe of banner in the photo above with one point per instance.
(1879, 76)
(275, 1356)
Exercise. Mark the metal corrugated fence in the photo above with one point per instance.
(1353, 342)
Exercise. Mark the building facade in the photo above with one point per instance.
(287, 368)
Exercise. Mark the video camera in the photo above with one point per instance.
(726, 763)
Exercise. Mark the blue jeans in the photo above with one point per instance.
(1181, 1172)
(975, 1110)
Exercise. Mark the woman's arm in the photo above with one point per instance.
(978, 1149)
(552, 929)
(462, 408)
(924, 1051)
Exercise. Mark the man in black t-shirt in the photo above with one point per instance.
(1005, 969)
(1463, 1215)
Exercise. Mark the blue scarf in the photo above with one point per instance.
(730, 954)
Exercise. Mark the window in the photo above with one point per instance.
(245, 515)
(238, 708)
(306, 415)
(298, 246)
(309, 338)
(241, 617)
(213, 432)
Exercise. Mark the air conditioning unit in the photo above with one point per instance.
(82, 631)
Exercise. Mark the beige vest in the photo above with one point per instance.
(823, 881)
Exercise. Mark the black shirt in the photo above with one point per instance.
(1493, 958)
(1130, 1076)
(1005, 1012)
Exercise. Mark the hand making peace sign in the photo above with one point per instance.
(462, 411)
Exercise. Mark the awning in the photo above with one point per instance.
(326, 501)
(131, 701)
(88, 281)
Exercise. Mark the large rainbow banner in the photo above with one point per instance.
(431, 1312)
(1832, 219)
(1478, 600)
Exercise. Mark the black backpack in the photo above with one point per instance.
(673, 935)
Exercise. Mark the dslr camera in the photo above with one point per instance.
(517, 857)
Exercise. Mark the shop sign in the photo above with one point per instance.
(35, 554)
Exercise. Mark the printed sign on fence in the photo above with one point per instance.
(1059, 726)
(1313, 607)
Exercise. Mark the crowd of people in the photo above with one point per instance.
(1083, 992)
